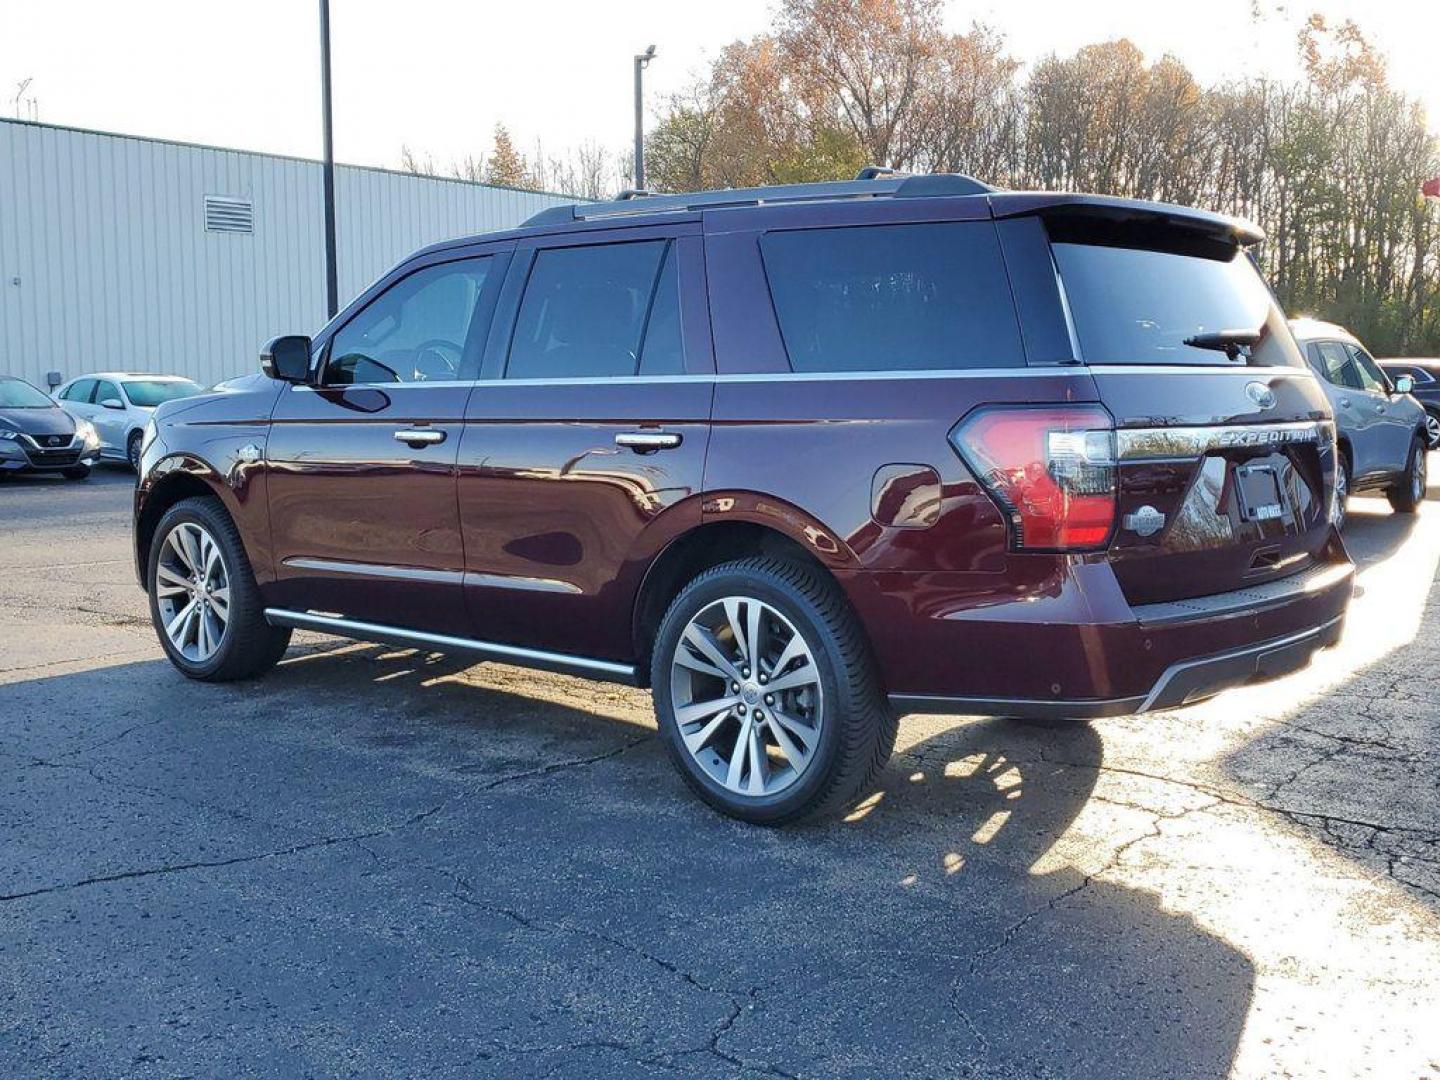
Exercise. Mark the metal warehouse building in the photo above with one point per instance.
(140, 254)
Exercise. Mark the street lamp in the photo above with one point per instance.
(641, 62)
(332, 289)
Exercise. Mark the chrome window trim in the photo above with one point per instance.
(1179, 443)
(396, 635)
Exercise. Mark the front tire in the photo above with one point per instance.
(1409, 491)
(204, 601)
(766, 693)
(132, 451)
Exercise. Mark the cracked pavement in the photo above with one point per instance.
(382, 862)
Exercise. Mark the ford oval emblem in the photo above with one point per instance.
(1260, 394)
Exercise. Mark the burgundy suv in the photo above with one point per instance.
(799, 459)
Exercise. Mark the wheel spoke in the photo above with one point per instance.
(177, 545)
(742, 643)
(738, 755)
(220, 602)
(753, 648)
(701, 639)
(793, 754)
(192, 549)
(698, 740)
(759, 771)
(202, 634)
(793, 648)
(685, 658)
(173, 627)
(802, 731)
(805, 675)
(701, 710)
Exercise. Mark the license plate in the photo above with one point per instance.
(1261, 497)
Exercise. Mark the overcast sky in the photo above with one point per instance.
(438, 74)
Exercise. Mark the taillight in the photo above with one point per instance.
(1050, 468)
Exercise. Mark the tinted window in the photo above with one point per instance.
(584, 311)
(1139, 304)
(663, 350)
(107, 391)
(1370, 374)
(19, 394)
(418, 330)
(893, 298)
(80, 390)
(148, 393)
(1337, 366)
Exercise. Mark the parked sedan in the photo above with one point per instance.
(119, 404)
(1425, 374)
(1380, 428)
(36, 435)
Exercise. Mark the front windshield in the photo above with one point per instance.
(147, 393)
(19, 394)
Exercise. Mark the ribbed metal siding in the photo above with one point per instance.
(106, 237)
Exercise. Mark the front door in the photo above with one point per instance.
(1394, 425)
(361, 465)
(584, 446)
(109, 415)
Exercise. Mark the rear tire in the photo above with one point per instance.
(204, 601)
(821, 738)
(1409, 491)
(79, 472)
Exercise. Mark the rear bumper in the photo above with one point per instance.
(1074, 648)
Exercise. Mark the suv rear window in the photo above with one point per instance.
(893, 297)
(1137, 303)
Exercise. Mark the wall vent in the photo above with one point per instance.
(226, 214)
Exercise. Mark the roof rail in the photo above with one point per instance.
(874, 172)
(890, 184)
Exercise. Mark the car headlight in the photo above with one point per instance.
(9, 445)
(86, 431)
(148, 435)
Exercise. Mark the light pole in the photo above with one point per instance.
(332, 289)
(641, 62)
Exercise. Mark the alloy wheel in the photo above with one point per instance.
(1342, 493)
(1418, 479)
(1432, 429)
(192, 592)
(746, 696)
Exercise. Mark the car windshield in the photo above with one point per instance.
(1160, 300)
(19, 394)
(148, 393)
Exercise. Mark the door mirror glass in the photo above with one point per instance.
(112, 403)
(287, 358)
(1404, 384)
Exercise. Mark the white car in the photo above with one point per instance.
(119, 404)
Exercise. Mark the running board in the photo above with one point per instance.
(489, 650)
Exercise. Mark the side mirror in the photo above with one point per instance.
(287, 358)
(112, 403)
(1404, 384)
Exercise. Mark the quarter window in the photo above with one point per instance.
(893, 298)
(79, 391)
(421, 329)
(599, 311)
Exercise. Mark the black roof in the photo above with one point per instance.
(643, 207)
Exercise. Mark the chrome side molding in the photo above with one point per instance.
(489, 650)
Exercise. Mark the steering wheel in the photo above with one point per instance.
(436, 359)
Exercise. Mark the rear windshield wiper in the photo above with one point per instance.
(1230, 342)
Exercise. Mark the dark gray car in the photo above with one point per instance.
(1379, 426)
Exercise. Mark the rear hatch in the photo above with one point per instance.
(1224, 442)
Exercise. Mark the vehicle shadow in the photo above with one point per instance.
(945, 927)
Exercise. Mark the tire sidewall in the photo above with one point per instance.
(207, 516)
(808, 621)
(132, 451)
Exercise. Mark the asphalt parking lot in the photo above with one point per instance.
(377, 862)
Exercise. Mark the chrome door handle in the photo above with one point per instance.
(645, 442)
(1345, 402)
(1380, 408)
(419, 436)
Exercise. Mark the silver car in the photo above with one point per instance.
(119, 404)
(1380, 427)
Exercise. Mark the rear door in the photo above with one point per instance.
(1224, 440)
(584, 445)
(361, 467)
